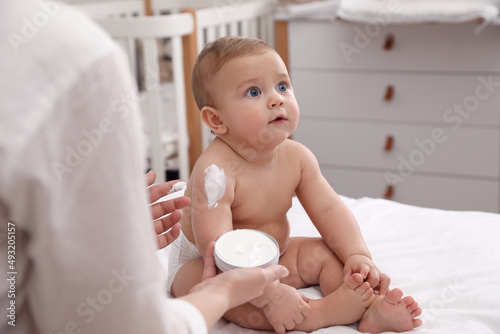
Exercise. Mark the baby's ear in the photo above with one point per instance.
(212, 119)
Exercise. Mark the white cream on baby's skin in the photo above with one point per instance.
(215, 185)
(246, 248)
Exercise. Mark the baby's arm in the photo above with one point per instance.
(335, 222)
(212, 194)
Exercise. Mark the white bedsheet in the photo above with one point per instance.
(449, 261)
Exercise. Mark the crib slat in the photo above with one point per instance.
(245, 28)
(153, 102)
(180, 98)
(262, 28)
(211, 34)
(270, 30)
(131, 47)
(253, 28)
(233, 29)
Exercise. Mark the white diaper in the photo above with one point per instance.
(181, 251)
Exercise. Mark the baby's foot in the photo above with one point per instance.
(391, 313)
(350, 300)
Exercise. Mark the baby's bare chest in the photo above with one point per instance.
(263, 200)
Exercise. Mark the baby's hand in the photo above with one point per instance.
(365, 266)
(286, 308)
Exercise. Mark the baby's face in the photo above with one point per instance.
(255, 98)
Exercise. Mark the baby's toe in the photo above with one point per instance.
(368, 297)
(416, 323)
(408, 300)
(394, 296)
(354, 281)
(361, 290)
(414, 310)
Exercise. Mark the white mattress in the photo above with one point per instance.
(449, 261)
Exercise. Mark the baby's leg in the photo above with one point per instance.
(187, 276)
(311, 262)
(344, 306)
(317, 264)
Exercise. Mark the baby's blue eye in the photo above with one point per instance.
(282, 87)
(253, 92)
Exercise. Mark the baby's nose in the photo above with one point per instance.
(276, 100)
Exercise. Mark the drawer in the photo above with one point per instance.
(434, 47)
(465, 151)
(454, 100)
(427, 191)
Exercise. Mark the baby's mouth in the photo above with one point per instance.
(279, 119)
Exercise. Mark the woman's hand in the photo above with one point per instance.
(218, 293)
(172, 208)
(239, 285)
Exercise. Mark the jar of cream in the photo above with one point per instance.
(245, 248)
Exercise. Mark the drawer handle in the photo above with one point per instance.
(389, 42)
(389, 93)
(389, 143)
(389, 192)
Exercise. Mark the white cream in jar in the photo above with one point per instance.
(245, 248)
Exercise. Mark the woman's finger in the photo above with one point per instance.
(166, 223)
(274, 272)
(150, 177)
(166, 239)
(161, 209)
(209, 270)
(157, 191)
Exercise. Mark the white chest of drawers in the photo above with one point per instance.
(409, 112)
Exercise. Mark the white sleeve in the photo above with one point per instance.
(76, 191)
(188, 311)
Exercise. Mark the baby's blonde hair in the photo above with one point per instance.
(213, 56)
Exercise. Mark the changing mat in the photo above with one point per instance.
(417, 11)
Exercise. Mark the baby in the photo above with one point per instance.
(246, 178)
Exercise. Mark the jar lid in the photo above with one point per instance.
(245, 248)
